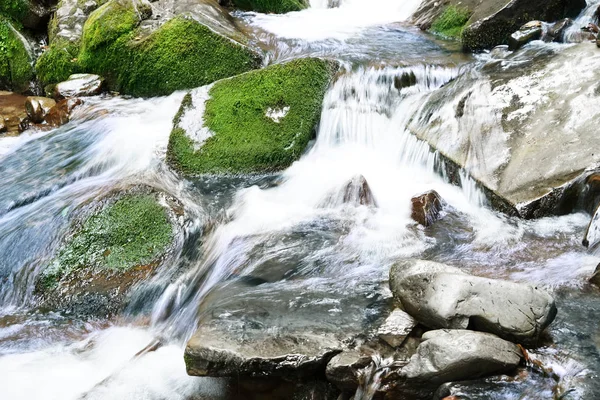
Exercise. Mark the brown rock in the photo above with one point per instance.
(358, 191)
(60, 114)
(3, 127)
(426, 208)
(13, 110)
(38, 107)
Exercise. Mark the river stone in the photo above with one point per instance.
(426, 208)
(556, 30)
(79, 85)
(451, 355)
(60, 114)
(3, 128)
(527, 33)
(343, 369)
(38, 107)
(12, 106)
(595, 279)
(212, 352)
(440, 296)
(396, 328)
(358, 192)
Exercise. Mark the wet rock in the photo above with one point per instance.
(595, 279)
(212, 352)
(396, 328)
(38, 107)
(357, 191)
(556, 30)
(38, 14)
(529, 32)
(426, 208)
(440, 296)
(79, 85)
(60, 114)
(3, 128)
(453, 355)
(407, 79)
(343, 369)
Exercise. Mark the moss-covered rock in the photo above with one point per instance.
(115, 247)
(16, 71)
(58, 62)
(451, 22)
(259, 121)
(270, 6)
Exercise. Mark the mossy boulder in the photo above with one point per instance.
(16, 69)
(121, 243)
(270, 6)
(256, 122)
(58, 62)
(451, 22)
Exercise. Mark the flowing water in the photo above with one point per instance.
(287, 242)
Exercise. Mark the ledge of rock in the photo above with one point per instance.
(454, 355)
(440, 296)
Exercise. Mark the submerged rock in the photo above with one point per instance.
(456, 355)
(529, 32)
(79, 85)
(121, 243)
(426, 208)
(440, 296)
(38, 107)
(236, 136)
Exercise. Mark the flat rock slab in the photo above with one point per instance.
(440, 296)
(456, 355)
(396, 328)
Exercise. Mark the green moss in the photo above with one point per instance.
(134, 230)
(58, 63)
(270, 6)
(15, 61)
(245, 139)
(451, 22)
(16, 9)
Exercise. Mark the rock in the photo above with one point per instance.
(3, 127)
(595, 279)
(440, 296)
(407, 79)
(396, 328)
(529, 32)
(233, 135)
(266, 6)
(16, 58)
(117, 243)
(455, 355)
(426, 208)
(12, 106)
(492, 22)
(357, 191)
(556, 31)
(211, 352)
(38, 107)
(343, 369)
(60, 114)
(79, 85)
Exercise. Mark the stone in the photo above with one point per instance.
(456, 355)
(38, 107)
(406, 79)
(595, 279)
(556, 31)
(396, 328)
(343, 369)
(527, 33)
(440, 296)
(3, 128)
(16, 58)
(79, 85)
(358, 191)
(60, 114)
(426, 208)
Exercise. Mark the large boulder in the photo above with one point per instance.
(456, 355)
(119, 242)
(440, 296)
(256, 122)
(16, 58)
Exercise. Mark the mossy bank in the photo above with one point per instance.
(269, 6)
(16, 70)
(260, 121)
(120, 244)
(451, 22)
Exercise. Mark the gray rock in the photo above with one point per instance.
(440, 296)
(556, 30)
(79, 85)
(38, 107)
(396, 328)
(595, 279)
(454, 355)
(358, 191)
(527, 33)
(343, 369)
(426, 208)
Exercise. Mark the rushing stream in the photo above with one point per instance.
(286, 240)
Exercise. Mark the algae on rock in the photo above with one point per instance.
(261, 121)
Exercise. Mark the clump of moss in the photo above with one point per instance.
(16, 70)
(451, 22)
(16, 9)
(134, 230)
(270, 6)
(246, 138)
(58, 62)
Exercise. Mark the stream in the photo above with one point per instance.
(287, 241)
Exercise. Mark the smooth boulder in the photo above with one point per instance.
(527, 33)
(440, 296)
(454, 355)
(38, 107)
(396, 328)
(79, 85)
(60, 114)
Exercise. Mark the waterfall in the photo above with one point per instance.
(574, 33)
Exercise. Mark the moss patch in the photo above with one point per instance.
(15, 61)
(134, 230)
(15, 9)
(58, 63)
(270, 6)
(451, 22)
(245, 138)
